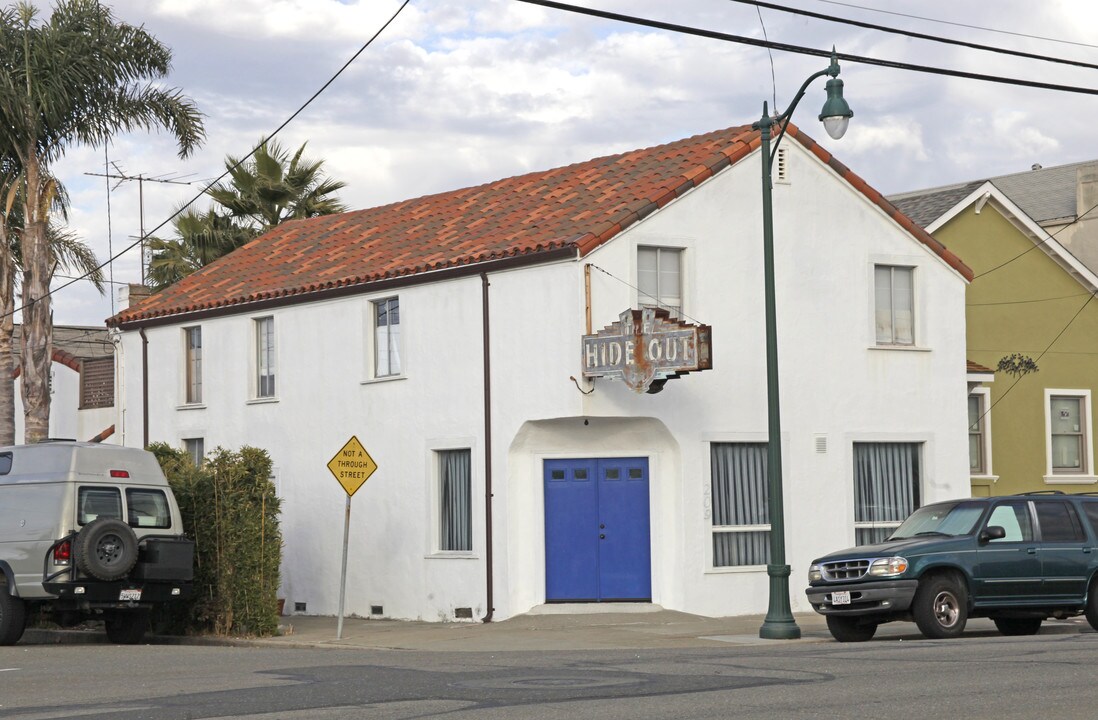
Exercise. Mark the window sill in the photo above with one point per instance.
(735, 569)
(387, 378)
(191, 406)
(446, 555)
(1071, 479)
(900, 348)
(984, 479)
(261, 401)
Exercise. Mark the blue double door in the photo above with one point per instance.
(597, 530)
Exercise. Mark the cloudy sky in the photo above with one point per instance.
(460, 92)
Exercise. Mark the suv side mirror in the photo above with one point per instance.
(992, 532)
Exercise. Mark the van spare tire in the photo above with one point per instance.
(106, 549)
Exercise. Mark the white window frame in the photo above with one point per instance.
(373, 350)
(983, 395)
(433, 459)
(715, 529)
(915, 310)
(919, 488)
(195, 447)
(647, 300)
(1087, 475)
(258, 362)
(192, 368)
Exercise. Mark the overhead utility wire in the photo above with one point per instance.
(957, 24)
(917, 35)
(714, 35)
(195, 199)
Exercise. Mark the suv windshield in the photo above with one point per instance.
(956, 518)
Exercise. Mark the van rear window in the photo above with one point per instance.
(145, 508)
(98, 502)
(148, 508)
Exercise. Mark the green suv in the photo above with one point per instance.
(1017, 559)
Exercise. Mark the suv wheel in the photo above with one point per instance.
(13, 617)
(940, 607)
(1018, 626)
(850, 629)
(1092, 604)
(106, 549)
(126, 628)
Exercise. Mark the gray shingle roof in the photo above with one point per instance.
(1044, 194)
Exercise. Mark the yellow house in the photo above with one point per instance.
(1031, 315)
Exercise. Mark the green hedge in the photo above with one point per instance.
(230, 510)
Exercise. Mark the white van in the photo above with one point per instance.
(88, 531)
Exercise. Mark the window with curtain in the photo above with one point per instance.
(886, 488)
(387, 337)
(192, 341)
(265, 358)
(1068, 442)
(894, 304)
(455, 500)
(740, 496)
(659, 278)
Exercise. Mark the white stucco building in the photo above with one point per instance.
(508, 479)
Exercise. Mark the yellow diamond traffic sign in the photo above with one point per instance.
(352, 466)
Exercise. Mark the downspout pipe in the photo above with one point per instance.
(485, 327)
(144, 389)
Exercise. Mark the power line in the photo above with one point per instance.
(957, 24)
(801, 50)
(916, 35)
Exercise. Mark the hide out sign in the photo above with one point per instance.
(646, 348)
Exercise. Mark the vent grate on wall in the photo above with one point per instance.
(821, 444)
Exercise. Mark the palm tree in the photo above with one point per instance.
(264, 190)
(272, 187)
(200, 238)
(80, 78)
(67, 252)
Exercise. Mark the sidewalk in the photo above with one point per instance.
(547, 627)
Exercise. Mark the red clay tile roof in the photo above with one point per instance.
(576, 208)
(977, 368)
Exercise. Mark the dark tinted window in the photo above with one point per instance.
(5, 463)
(1059, 522)
(1091, 509)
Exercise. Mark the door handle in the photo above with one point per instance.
(1086, 550)
(1031, 551)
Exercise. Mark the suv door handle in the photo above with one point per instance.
(1031, 551)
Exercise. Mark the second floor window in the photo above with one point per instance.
(265, 358)
(387, 337)
(894, 304)
(192, 339)
(659, 278)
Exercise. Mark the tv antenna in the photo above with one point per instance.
(121, 176)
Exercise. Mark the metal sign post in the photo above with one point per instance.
(352, 466)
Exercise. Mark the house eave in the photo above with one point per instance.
(569, 252)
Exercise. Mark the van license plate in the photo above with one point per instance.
(839, 597)
(135, 594)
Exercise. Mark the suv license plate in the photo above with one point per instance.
(839, 597)
(135, 594)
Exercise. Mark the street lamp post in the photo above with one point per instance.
(779, 623)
